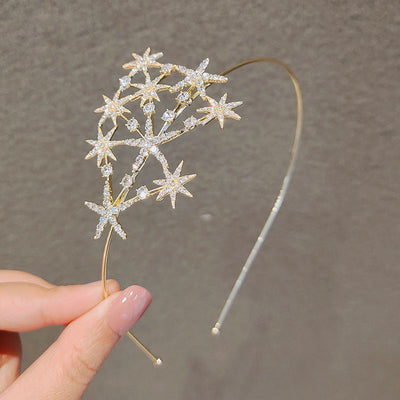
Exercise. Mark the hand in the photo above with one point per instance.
(93, 327)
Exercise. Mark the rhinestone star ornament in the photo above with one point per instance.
(191, 83)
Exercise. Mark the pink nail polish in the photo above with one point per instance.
(127, 308)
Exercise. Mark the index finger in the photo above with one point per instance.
(27, 306)
(11, 275)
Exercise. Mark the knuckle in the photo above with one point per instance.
(45, 317)
(79, 370)
(45, 314)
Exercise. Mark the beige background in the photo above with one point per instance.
(318, 317)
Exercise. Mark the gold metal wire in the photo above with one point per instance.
(271, 217)
(279, 199)
(156, 360)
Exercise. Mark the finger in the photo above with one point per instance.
(10, 358)
(27, 306)
(72, 361)
(12, 275)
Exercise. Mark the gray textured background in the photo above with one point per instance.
(318, 317)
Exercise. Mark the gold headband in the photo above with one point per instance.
(192, 84)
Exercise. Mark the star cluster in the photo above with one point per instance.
(193, 83)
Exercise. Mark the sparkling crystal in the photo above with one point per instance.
(127, 181)
(169, 135)
(160, 157)
(153, 149)
(190, 123)
(135, 167)
(106, 190)
(149, 126)
(143, 192)
(114, 211)
(125, 82)
(180, 85)
(118, 229)
(106, 170)
(168, 116)
(182, 69)
(149, 108)
(183, 97)
(166, 68)
(133, 72)
(132, 124)
(131, 142)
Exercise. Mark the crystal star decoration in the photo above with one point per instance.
(142, 63)
(173, 184)
(113, 108)
(147, 138)
(148, 90)
(102, 146)
(220, 110)
(198, 78)
(108, 212)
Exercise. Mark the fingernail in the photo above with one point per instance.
(127, 308)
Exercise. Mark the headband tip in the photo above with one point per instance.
(215, 331)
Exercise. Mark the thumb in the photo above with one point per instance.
(66, 368)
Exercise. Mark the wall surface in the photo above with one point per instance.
(318, 316)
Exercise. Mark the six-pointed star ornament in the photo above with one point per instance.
(152, 115)
(220, 110)
(198, 78)
(142, 63)
(108, 212)
(103, 145)
(148, 90)
(173, 184)
(114, 108)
